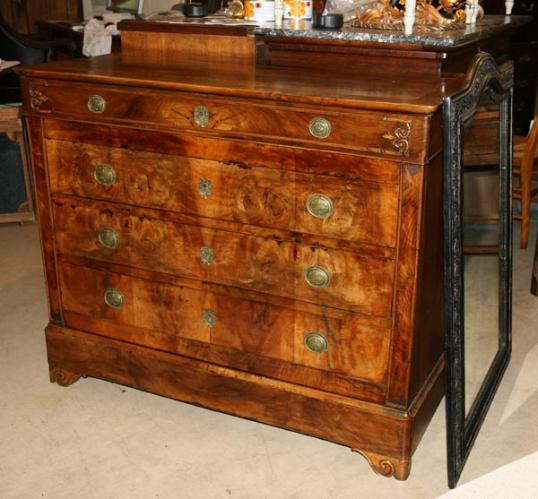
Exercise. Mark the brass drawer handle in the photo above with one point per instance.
(108, 238)
(524, 58)
(317, 277)
(320, 127)
(205, 188)
(201, 116)
(96, 104)
(207, 255)
(316, 342)
(104, 174)
(114, 298)
(209, 317)
(319, 205)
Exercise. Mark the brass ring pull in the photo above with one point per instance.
(201, 116)
(209, 317)
(319, 205)
(114, 298)
(104, 174)
(317, 277)
(108, 238)
(96, 104)
(320, 127)
(316, 342)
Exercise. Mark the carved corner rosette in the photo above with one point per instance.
(386, 466)
(63, 377)
(38, 99)
(399, 136)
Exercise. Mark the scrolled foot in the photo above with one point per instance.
(387, 466)
(63, 377)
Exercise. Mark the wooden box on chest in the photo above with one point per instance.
(247, 238)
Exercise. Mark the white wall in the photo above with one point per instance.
(96, 7)
(151, 6)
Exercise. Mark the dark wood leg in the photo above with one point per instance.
(387, 466)
(63, 377)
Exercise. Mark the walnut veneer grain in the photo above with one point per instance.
(215, 237)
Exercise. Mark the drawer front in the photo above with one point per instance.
(164, 316)
(334, 278)
(363, 211)
(392, 135)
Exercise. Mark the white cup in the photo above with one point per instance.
(259, 10)
(298, 9)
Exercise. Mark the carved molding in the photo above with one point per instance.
(389, 14)
(37, 99)
(387, 466)
(399, 137)
(63, 377)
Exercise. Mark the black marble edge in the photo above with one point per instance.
(441, 39)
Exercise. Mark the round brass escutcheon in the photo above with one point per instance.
(96, 104)
(316, 342)
(104, 174)
(109, 238)
(114, 298)
(320, 127)
(317, 277)
(319, 205)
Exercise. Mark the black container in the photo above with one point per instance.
(194, 10)
(328, 21)
(212, 5)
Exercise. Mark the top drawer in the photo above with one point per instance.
(392, 135)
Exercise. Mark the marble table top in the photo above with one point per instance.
(442, 39)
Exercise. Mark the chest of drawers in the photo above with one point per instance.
(271, 249)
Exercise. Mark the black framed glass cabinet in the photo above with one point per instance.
(478, 252)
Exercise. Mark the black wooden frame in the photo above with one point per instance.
(459, 109)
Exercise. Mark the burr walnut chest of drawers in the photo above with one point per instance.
(253, 238)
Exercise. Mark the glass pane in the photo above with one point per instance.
(481, 239)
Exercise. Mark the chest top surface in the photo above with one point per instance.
(374, 89)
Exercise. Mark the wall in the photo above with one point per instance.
(151, 6)
(96, 7)
(22, 16)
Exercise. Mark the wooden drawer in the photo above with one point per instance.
(392, 135)
(170, 317)
(363, 211)
(358, 283)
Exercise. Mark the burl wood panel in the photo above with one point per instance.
(364, 211)
(358, 283)
(390, 135)
(163, 314)
(222, 355)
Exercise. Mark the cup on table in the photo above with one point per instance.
(260, 10)
(298, 9)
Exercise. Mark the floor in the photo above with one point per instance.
(100, 440)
